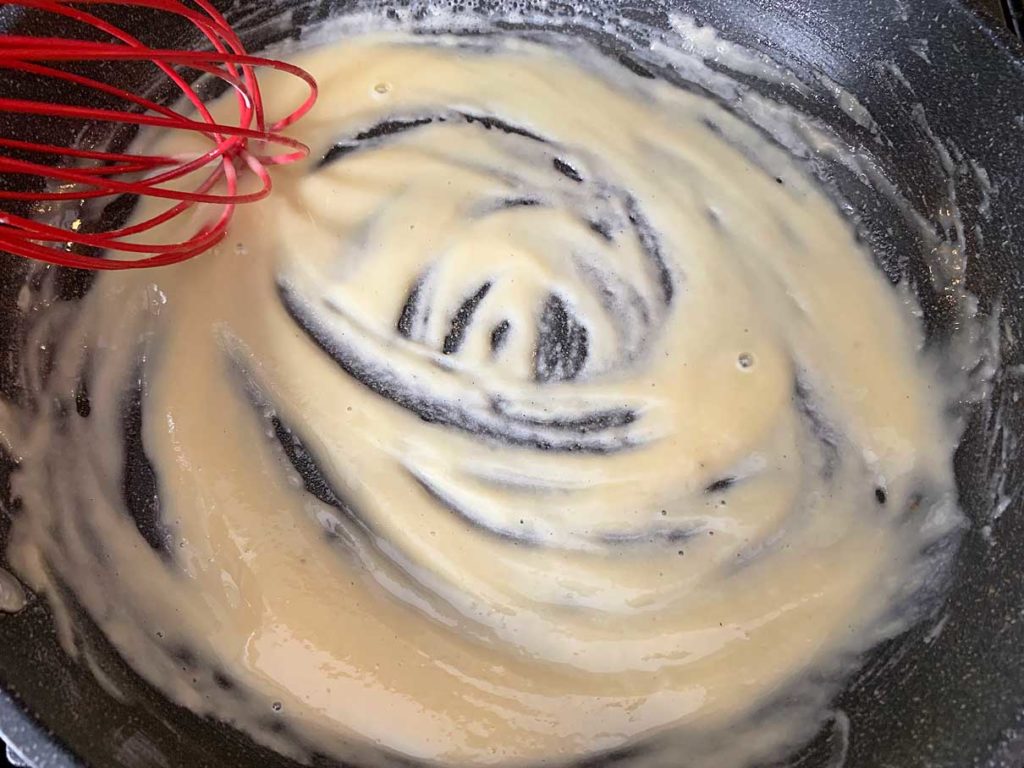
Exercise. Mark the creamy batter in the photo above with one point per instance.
(12, 596)
(547, 407)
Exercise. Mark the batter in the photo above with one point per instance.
(547, 408)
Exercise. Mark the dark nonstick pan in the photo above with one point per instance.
(948, 693)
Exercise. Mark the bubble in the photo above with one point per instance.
(277, 706)
(382, 88)
(745, 361)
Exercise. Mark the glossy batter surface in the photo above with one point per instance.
(546, 408)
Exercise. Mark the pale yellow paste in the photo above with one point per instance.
(715, 484)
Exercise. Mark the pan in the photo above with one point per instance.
(948, 692)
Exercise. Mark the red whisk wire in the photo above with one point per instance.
(86, 173)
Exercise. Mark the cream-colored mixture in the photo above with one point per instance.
(546, 408)
(12, 596)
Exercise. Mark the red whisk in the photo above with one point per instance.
(84, 173)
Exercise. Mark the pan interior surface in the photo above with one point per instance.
(949, 233)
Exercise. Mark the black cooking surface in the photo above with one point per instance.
(1010, 11)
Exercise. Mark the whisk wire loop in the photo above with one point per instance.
(246, 147)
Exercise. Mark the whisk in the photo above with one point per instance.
(80, 173)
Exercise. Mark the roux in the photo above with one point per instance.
(545, 408)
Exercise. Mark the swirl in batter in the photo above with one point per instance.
(547, 408)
